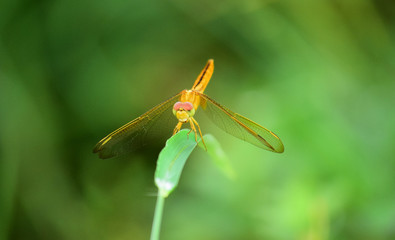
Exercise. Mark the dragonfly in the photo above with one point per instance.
(179, 110)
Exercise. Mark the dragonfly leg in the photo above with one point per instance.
(177, 128)
(193, 128)
(200, 132)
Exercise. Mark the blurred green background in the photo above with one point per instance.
(320, 74)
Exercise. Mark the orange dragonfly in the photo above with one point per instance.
(184, 106)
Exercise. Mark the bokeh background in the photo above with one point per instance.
(320, 74)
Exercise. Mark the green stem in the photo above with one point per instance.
(160, 202)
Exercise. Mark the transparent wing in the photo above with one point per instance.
(240, 127)
(148, 127)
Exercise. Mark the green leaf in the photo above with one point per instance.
(172, 159)
(217, 154)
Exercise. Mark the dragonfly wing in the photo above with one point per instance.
(240, 127)
(149, 126)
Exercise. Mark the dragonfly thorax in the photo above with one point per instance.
(183, 111)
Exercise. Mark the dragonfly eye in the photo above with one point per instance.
(191, 112)
(182, 113)
(187, 106)
(177, 106)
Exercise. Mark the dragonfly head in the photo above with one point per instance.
(183, 111)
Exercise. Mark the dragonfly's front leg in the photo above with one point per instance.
(193, 128)
(177, 128)
(200, 132)
(192, 121)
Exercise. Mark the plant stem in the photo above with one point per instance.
(160, 202)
